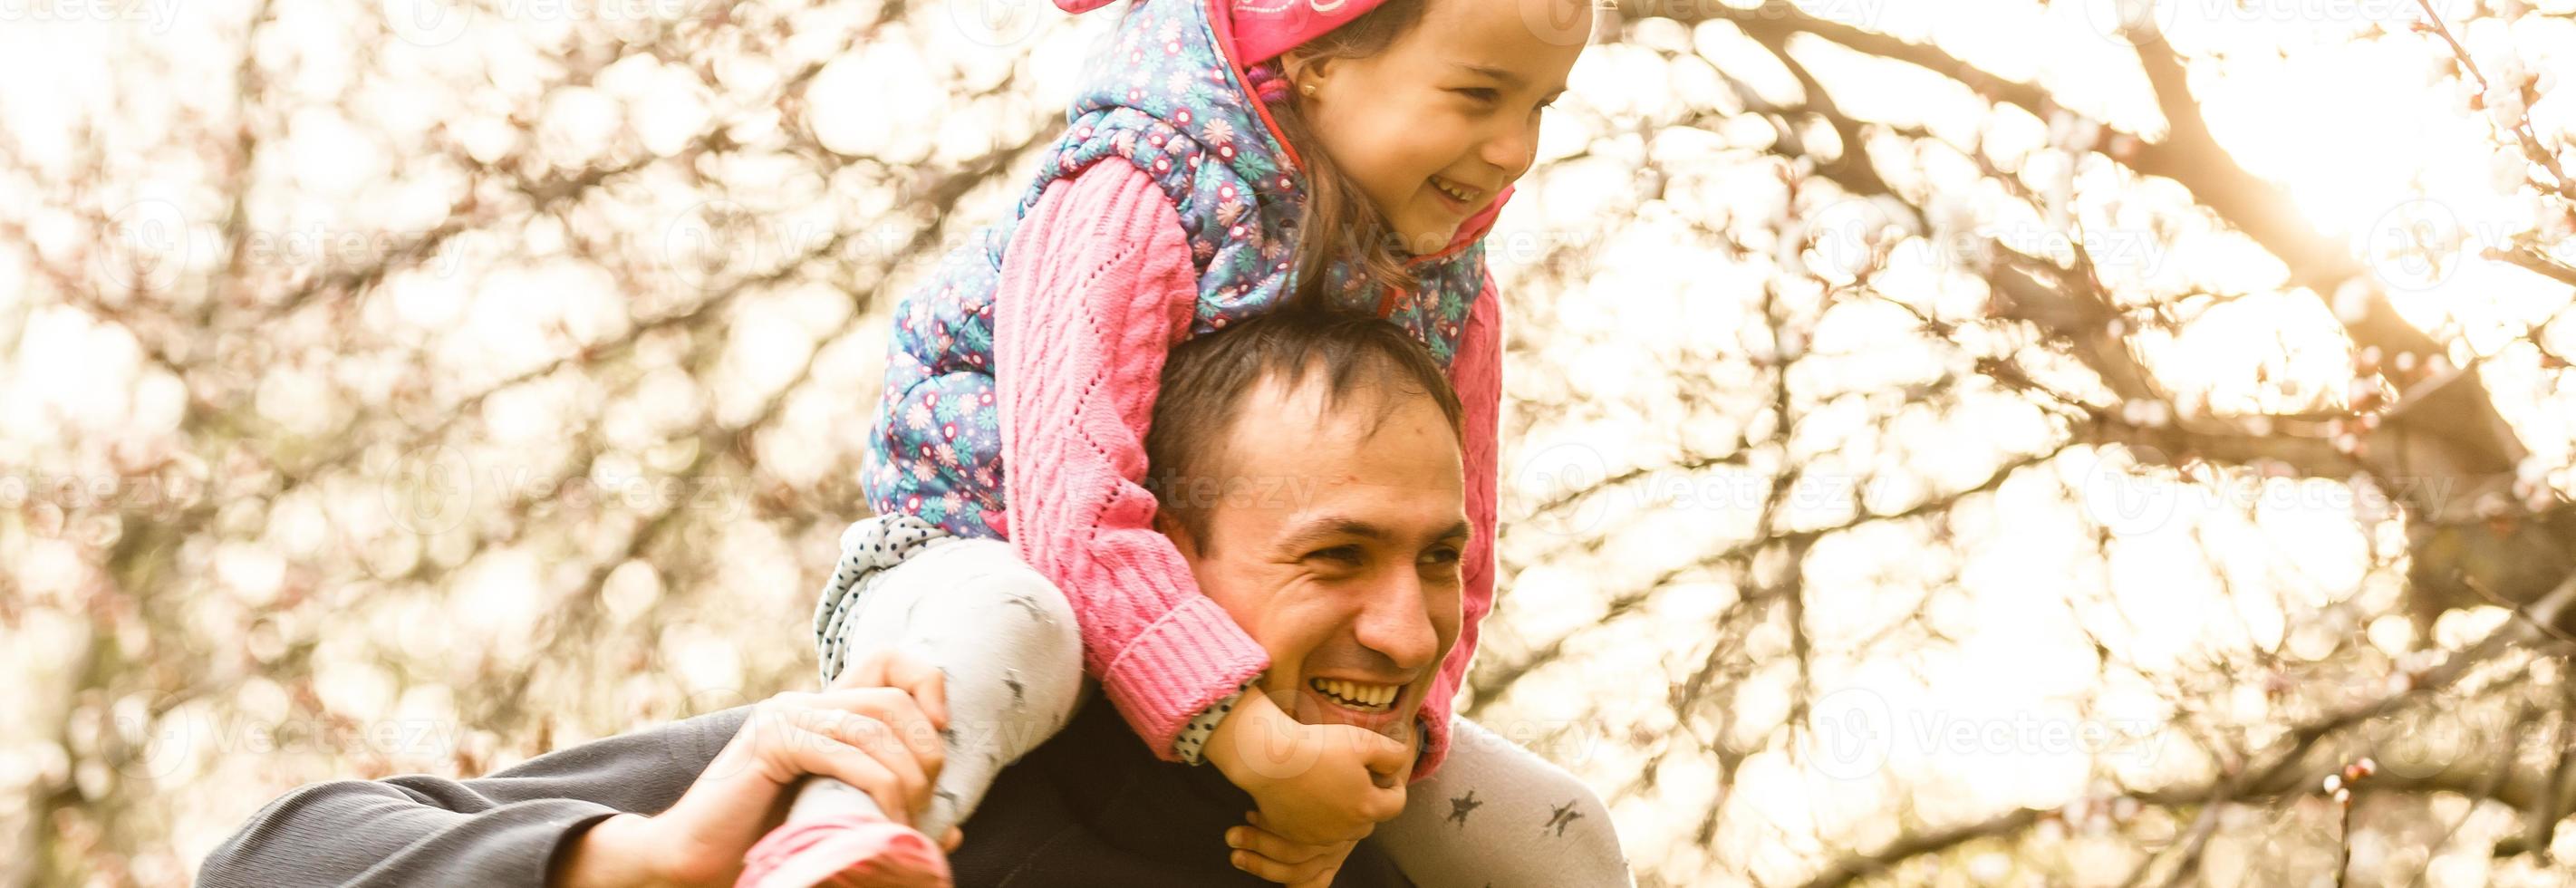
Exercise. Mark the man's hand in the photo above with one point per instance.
(1266, 854)
(877, 729)
(1316, 784)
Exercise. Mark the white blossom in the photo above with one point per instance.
(2505, 170)
(2505, 107)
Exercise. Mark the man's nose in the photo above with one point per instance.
(1396, 623)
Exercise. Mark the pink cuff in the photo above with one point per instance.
(1179, 667)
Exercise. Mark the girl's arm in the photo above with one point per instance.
(1477, 373)
(1097, 286)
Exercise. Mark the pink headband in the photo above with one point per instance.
(1265, 28)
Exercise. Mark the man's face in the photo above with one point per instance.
(1341, 553)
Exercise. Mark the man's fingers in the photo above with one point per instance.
(911, 674)
(927, 685)
(955, 837)
(897, 710)
(818, 753)
(910, 785)
(1272, 845)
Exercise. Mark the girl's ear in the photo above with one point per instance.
(1305, 73)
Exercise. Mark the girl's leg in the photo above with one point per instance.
(1496, 814)
(1010, 651)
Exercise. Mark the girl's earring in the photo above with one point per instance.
(1308, 89)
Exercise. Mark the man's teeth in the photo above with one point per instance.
(1463, 195)
(1363, 696)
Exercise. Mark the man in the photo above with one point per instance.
(1309, 470)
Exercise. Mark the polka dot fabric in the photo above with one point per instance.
(869, 547)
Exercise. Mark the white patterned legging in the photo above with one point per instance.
(1008, 644)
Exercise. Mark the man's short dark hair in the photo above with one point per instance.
(1207, 379)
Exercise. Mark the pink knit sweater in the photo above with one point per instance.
(1097, 286)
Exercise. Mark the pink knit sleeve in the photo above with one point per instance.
(1097, 286)
(1477, 373)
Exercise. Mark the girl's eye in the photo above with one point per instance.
(1478, 93)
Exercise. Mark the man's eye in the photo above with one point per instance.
(1338, 554)
(1444, 555)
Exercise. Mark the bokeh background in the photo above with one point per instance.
(1961, 443)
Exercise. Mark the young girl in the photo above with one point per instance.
(1224, 158)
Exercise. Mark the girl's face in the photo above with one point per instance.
(1435, 126)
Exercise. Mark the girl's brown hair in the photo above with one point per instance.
(1338, 221)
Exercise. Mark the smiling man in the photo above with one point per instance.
(1309, 470)
(1341, 514)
